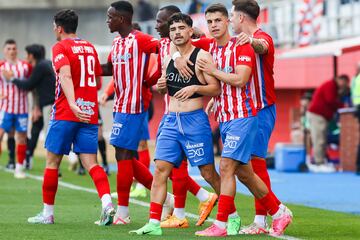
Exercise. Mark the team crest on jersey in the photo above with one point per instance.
(244, 59)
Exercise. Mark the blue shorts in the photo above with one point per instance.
(126, 130)
(62, 134)
(266, 117)
(185, 134)
(8, 121)
(238, 136)
(161, 124)
(145, 135)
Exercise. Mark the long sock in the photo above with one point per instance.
(21, 153)
(202, 195)
(269, 203)
(155, 212)
(193, 187)
(142, 174)
(179, 177)
(232, 210)
(224, 207)
(124, 180)
(144, 157)
(179, 212)
(100, 180)
(11, 148)
(122, 211)
(48, 210)
(102, 150)
(260, 168)
(50, 185)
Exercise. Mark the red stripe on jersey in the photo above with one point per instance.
(16, 99)
(129, 60)
(233, 102)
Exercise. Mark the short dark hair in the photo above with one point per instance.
(180, 17)
(217, 7)
(171, 9)
(37, 50)
(67, 19)
(123, 6)
(250, 7)
(10, 41)
(136, 26)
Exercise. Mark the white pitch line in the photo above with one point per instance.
(114, 195)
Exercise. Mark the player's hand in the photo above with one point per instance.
(242, 39)
(210, 107)
(206, 66)
(103, 99)
(82, 116)
(181, 65)
(36, 113)
(8, 74)
(185, 93)
(161, 86)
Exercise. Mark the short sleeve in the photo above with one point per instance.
(203, 43)
(245, 55)
(267, 39)
(147, 43)
(59, 57)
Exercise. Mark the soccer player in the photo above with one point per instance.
(245, 14)
(13, 102)
(236, 113)
(74, 116)
(42, 81)
(186, 129)
(181, 181)
(127, 64)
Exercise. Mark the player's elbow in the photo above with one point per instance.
(216, 92)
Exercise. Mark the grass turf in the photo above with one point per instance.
(76, 211)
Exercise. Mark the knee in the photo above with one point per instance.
(209, 174)
(142, 145)
(243, 176)
(226, 170)
(124, 154)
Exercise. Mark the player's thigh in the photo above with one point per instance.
(126, 130)
(21, 122)
(60, 137)
(197, 139)
(266, 123)
(168, 147)
(6, 121)
(239, 135)
(86, 139)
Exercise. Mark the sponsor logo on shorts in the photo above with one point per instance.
(195, 150)
(231, 142)
(116, 128)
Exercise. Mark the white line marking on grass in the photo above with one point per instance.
(114, 195)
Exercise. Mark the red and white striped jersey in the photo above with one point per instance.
(262, 88)
(129, 57)
(164, 51)
(233, 102)
(15, 100)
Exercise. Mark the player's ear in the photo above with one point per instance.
(191, 31)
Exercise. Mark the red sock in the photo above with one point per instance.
(144, 157)
(50, 185)
(124, 180)
(232, 207)
(193, 187)
(224, 207)
(179, 177)
(269, 203)
(155, 211)
(100, 179)
(142, 174)
(260, 168)
(21, 153)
